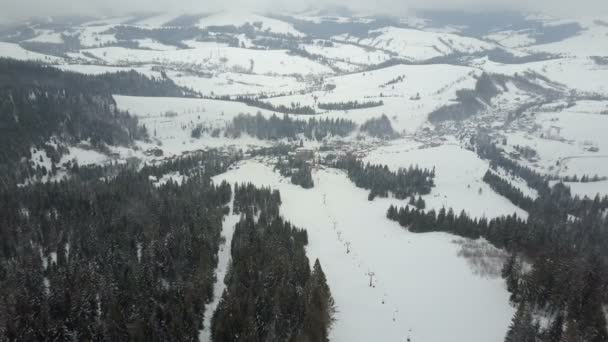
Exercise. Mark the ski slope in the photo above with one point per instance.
(420, 288)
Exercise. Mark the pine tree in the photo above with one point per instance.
(522, 328)
(320, 306)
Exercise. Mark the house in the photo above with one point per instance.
(305, 154)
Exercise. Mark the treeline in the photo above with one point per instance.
(504, 188)
(271, 293)
(213, 162)
(297, 169)
(395, 80)
(19, 74)
(583, 179)
(279, 128)
(469, 101)
(381, 181)
(379, 127)
(112, 259)
(293, 108)
(167, 35)
(487, 150)
(349, 105)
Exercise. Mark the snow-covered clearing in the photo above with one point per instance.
(230, 83)
(348, 52)
(47, 36)
(458, 181)
(170, 122)
(12, 50)
(420, 287)
(590, 189)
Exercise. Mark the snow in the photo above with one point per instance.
(47, 36)
(94, 35)
(230, 83)
(173, 134)
(410, 297)
(238, 19)
(512, 39)
(12, 50)
(348, 53)
(458, 180)
(589, 42)
(216, 57)
(589, 189)
(575, 133)
(581, 74)
(517, 182)
(154, 45)
(174, 177)
(418, 45)
(405, 113)
(84, 156)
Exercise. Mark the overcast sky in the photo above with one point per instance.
(15, 10)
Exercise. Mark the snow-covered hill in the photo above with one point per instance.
(418, 45)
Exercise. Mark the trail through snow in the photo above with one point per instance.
(224, 256)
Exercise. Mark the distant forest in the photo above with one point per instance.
(38, 102)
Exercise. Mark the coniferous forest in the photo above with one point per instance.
(38, 102)
(119, 252)
(271, 293)
(110, 259)
(381, 181)
(120, 257)
(274, 128)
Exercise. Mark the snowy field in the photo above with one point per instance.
(420, 288)
(407, 102)
(12, 50)
(172, 132)
(458, 180)
(213, 56)
(231, 83)
(417, 45)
